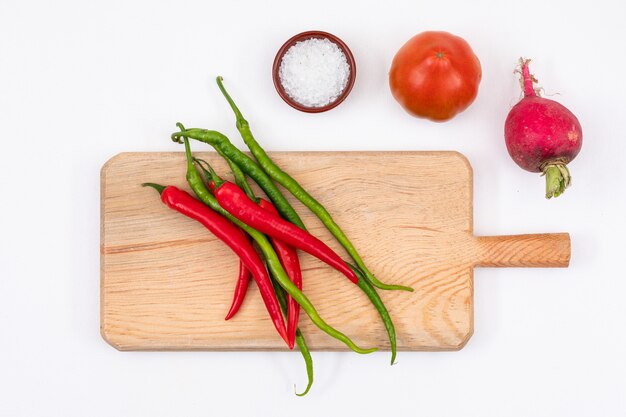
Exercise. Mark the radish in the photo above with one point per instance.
(542, 135)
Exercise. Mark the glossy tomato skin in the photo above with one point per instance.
(435, 75)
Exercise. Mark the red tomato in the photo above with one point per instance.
(435, 75)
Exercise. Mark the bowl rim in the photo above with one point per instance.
(310, 34)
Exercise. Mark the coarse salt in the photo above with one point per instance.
(314, 72)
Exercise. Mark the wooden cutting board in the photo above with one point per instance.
(166, 283)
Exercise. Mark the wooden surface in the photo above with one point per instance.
(166, 283)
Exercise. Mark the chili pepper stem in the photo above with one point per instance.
(181, 127)
(190, 160)
(188, 155)
(209, 172)
(157, 187)
(207, 175)
(241, 121)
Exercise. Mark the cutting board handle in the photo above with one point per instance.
(536, 250)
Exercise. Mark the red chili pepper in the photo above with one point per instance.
(289, 258)
(242, 280)
(237, 203)
(241, 288)
(230, 234)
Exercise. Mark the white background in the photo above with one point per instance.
(82, 81)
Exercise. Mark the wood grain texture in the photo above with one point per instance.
(166, 283)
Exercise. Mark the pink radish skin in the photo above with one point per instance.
(542, 135)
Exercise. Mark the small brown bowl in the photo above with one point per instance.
(302, 37)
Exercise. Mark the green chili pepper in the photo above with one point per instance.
(363, 284)
(304, 349)
(240, 177)
(371, 293)
(221, 143)
(300, 193)
(273, 263)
